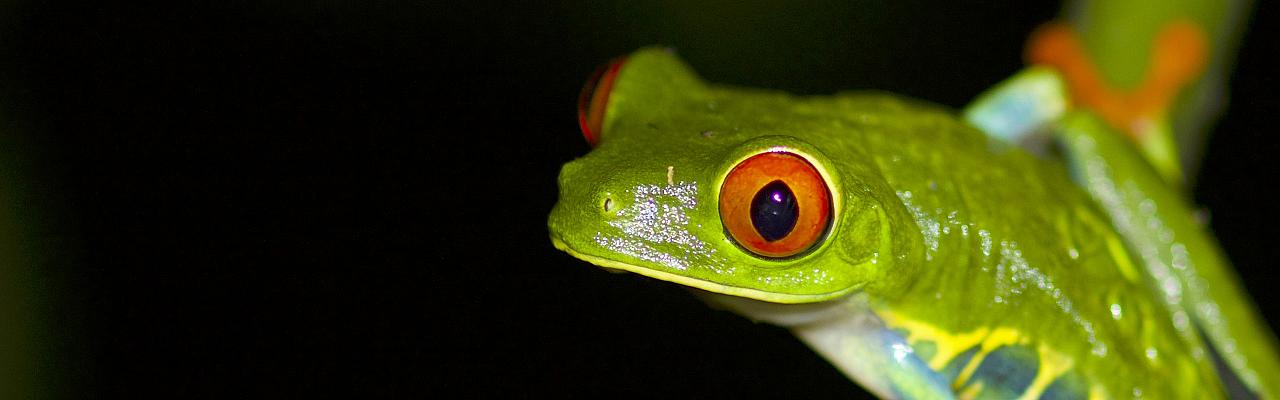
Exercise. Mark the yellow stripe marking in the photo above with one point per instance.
(970, 392)
(948, 345)
(998, 338)
(1121, 256)
(1052, 366)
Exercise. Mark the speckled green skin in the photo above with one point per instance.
(934, 222)
(1182, 259)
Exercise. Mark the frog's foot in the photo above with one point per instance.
(1178, 57)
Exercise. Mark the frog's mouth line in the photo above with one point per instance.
(709, 286)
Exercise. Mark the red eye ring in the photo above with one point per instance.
(594, 98)
(775, 204)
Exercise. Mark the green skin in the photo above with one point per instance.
(941, 238)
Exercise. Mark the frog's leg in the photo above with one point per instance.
(1181, 258)
(852, 337)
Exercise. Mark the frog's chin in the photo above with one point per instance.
(785, 315)
(713, 287)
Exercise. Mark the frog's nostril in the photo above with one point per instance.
(610, 207)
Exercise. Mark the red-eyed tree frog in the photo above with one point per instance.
(928, 253)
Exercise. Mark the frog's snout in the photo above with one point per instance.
(587, 204)
(590, 192)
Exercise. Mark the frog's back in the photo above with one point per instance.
(1022, 287)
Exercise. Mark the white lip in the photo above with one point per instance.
(709, 286)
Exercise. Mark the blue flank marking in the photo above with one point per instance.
(1006, 372)
(952, 370)
(1066, 387)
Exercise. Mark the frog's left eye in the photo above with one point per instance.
(594, 98)
(775, 204)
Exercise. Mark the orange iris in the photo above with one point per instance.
(753, 206)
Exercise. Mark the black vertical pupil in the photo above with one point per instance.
(774, 211)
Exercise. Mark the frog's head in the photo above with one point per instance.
(718, 189)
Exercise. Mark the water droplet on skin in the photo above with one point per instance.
(1100, 350)
(1147, 207)
(1116, 311)
(900, 352)
(1073, 253)
(1180, 320)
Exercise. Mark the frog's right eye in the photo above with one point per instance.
(594, 99)
(775, 205)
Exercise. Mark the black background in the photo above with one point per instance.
(346, 198)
